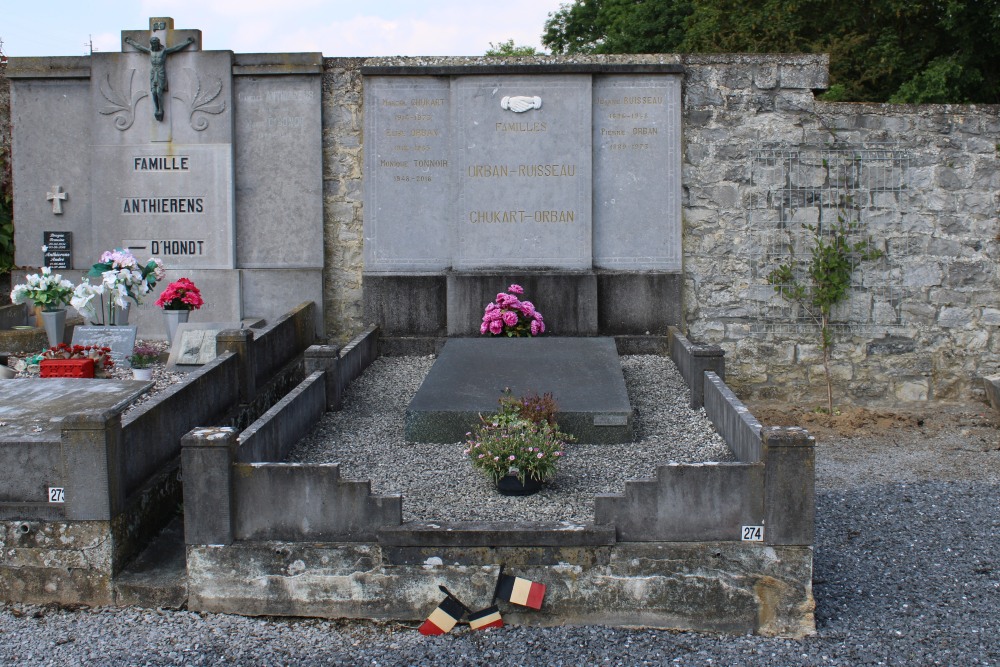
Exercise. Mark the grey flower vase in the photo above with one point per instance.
(174, 318)
(55, 325)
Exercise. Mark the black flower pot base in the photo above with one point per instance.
(510, 485)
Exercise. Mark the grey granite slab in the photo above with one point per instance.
(584, 376)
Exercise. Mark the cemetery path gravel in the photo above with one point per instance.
(907, 572)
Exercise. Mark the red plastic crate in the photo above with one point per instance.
(67, 368)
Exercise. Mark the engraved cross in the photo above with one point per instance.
(56, 198)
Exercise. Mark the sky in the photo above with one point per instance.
(333, 27)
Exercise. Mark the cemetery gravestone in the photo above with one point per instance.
(565, 174)
(120, 339)
(227, 156)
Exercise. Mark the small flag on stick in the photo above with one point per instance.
(445, 615)
(487, 618)
(519, 591)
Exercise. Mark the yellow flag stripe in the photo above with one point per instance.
(519, 594)
(442, 619)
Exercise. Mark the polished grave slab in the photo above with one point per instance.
(584, 375)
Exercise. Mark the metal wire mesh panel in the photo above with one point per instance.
(797, 195)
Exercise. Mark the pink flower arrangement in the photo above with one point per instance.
(511, 316)
(180, 295)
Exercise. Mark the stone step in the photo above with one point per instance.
(158, 577)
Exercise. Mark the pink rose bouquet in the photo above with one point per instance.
(511, 316)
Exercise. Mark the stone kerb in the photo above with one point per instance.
(271, 437)
(693, 360)
(733, 420)
(94, 466)
(275, 345)
(715, 502)
(687, 503)
(307, 503)
(153, 433)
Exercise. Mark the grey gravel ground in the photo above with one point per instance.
(907, 572)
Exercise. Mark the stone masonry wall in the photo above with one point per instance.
(948, 338)
(950, 333)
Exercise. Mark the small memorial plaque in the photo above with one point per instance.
(194, 344)
(121, 340)
(610, 420)
(58, 249)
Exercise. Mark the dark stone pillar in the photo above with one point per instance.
(789, 486)
(207, 456)
(240, 342)
(326, 358)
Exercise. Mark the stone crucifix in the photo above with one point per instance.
(56, 197)
(158, 68)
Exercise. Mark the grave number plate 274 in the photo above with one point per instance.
(753, 534)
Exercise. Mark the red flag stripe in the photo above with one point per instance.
(487, 618)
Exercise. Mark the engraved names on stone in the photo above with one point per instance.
(523, 177)
(165, 188)
(57, 250)
(637, 162)
(408, 167)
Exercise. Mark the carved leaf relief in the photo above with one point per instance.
(200, 100)
(119, 103)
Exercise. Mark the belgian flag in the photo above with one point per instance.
(519, 591)
(445, 615)
(487, 618)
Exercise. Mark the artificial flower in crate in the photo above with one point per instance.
(76, 361)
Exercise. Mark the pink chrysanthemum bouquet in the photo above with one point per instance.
(510, 316)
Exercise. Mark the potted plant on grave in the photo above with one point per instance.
(50, 292)
(122, 278)
(177, 301)
(509, 316)
(519, 446)
(142, 358)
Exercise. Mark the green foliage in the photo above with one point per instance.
(880, 50)
(6, 197)
(509, 49)
(827, 280)
(532, 407)
(6, 228)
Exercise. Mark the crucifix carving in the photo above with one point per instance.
(158, 68)
(56, 198)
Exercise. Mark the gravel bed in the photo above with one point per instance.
(438, 483)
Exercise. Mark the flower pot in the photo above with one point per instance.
(7, 373)
(55, 325)
(119, 317)
(174, 318)
(142, 373)
(510, 485)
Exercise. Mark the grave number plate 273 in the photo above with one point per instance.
(57, 494)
